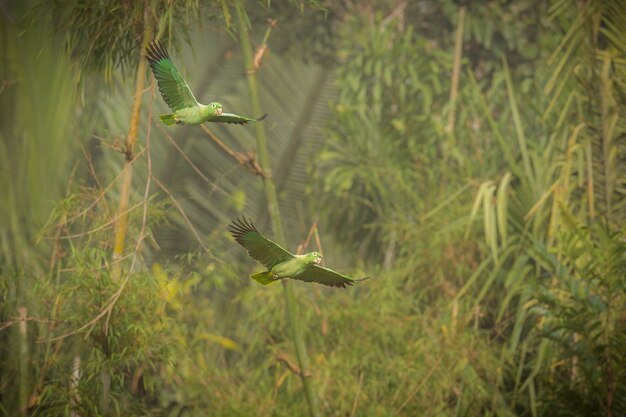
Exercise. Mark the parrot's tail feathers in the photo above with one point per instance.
(168, 119)
(264, 278)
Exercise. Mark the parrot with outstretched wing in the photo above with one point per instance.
(281, 263)
(180, 99)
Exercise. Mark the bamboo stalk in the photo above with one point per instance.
(274, 210)
(590, 190)
(23, 363)
(121, 225)
(608, 120)
(74, 381)
(456, 70)
(105, 379)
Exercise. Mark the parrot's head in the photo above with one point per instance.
(317, 257)
(217, 107)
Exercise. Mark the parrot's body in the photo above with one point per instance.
(190, 115)
(180, 99)
(288, 269)
(281, 263)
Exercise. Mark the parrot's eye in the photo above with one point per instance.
(213, 105)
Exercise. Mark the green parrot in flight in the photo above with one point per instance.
(283, 264)
(180, 99)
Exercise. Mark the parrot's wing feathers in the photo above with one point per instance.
(172, 86)
(258, 246)
(316, 273)
(234, 118)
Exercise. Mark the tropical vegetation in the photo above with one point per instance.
(468, 156)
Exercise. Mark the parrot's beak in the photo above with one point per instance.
(219, 112)
(318, 260)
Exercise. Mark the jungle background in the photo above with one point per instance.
(468, 156)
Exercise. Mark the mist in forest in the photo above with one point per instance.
(455, 169)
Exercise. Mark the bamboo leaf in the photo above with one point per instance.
(502, 199)
(521, 138)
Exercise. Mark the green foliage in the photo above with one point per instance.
(104, 36)
(386, 135)
(581, 312)
(95, 324)
(130, 343)
(547, 166)
(584, 90)
(496, 244)
(551, 227)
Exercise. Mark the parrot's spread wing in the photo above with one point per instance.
(234, 118)
(173, 88)
(316, 273)
(258, 246)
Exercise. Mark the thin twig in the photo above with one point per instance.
(16, 320)
(304, 244)
(222, 145)
(92, 169)
(6, 83)
(262, 49)
(57, 236)
(267, 334)
(396, 13)
(288, 362)
(105, 311)
(418, 387)
(182, 212)
(247, 159)
(103, 192)
(110, 303)
(193, 166)
(356, 396)
(318, 242)
(96, 229)
(96, 269)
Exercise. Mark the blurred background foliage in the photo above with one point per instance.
(483, 191)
